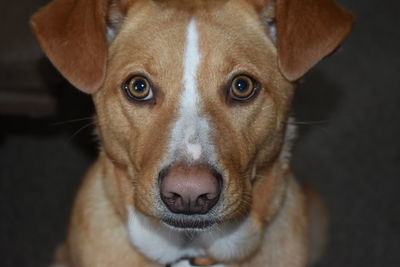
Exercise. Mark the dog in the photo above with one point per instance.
(192, 102)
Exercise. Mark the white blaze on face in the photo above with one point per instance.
(190, 132)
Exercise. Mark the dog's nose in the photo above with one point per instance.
(190, 190)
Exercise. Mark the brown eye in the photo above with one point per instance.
(242, 88)
(138, 88)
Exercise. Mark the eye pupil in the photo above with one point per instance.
(242, 85)
(139, 86)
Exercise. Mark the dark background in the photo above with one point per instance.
(348, 110)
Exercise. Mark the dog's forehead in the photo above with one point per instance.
(229, 34)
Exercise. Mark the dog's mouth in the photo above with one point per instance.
(189, 223)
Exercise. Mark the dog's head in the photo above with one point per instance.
(192, 97)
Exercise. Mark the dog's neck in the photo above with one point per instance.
(164, 245)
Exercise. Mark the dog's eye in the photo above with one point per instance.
(242, 88)
(138, 88)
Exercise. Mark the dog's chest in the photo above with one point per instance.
(158, 243)
(166, 246)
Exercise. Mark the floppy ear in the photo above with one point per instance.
(73, 35)
(305, 31)
(308, 30)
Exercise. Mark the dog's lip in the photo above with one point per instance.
(189, 224)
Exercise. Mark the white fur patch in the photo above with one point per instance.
(156, 241)
(270, 21)
(163, 245)
(232, 241)
(272, 32)
(194, 150)
(190, 64)
(183, 263)
(110, 34)
(190, 98)
(190, 132)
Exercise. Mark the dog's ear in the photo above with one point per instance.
(305, 31)
(308, 30)
(73, 35)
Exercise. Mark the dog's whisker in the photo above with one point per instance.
(80, 130)
(73, 120)
(292, 122)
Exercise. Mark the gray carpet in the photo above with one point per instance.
(348, 111)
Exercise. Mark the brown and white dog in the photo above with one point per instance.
(192, 101)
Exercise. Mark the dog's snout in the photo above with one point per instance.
(190, 190)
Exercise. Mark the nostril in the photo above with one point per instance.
(204, 203)
(171, 198)
(171, 195)
(175, 195)
(204, 196)
(202, 200)
(173, 201)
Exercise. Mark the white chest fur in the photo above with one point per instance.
(165, 245)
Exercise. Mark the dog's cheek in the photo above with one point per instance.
(248, 140)
(269, 121)
(148, 157)
(135, 137)
(233, 156)
(114, 128)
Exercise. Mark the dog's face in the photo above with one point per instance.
(202, 98)
(192, 97)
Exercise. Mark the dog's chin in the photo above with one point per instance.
(188, 224)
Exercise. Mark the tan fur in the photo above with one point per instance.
(68, 40)
(97, 234)
(248, 137)
(299, 52)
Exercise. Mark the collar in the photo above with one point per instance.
(197, 262)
